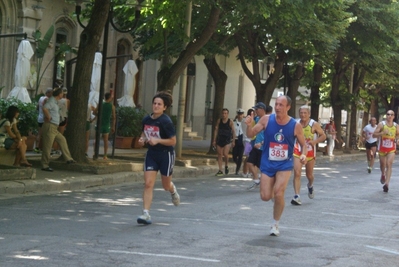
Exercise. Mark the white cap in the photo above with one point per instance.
(240, 110)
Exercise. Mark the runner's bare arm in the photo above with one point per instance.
(320, 133)
(301, 140)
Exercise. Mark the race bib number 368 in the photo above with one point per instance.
(278, 151)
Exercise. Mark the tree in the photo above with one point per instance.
(371, 40)
(160, 36)
(89, 40)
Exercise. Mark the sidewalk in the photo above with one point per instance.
(126, 167)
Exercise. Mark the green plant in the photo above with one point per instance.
(27, 121)
(41, 46)
(129, 121)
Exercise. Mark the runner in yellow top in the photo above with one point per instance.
(386, 131)
(314, 134)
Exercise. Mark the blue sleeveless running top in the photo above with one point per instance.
(278, 146)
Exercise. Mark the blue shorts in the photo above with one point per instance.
(162, 161)
(270, 168)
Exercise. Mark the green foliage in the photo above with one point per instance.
(129, 121)
(41, 48)
(27, 121)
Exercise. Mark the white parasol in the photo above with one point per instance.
(22, 72)
(130, 70)
(95, 80)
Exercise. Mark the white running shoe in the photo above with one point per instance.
(253, 185)
(144, 219)
(274, 231)
(296, 201)
(175, 197)
(311, 192)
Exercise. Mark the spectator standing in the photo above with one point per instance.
(40, 118)
(108, 119)
(50, 131)
(331, 132)
(247, 144)
(238, 149)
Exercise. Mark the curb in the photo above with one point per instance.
(48, 185)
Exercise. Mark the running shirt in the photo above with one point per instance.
(161, 127)
(369, 130)
(309, 136)
(279, 145)
(387, 142)
(224, 133)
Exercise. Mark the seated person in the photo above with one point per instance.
(13, 139)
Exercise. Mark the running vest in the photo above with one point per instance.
(309, 136)
(386, 142)
(279, 141)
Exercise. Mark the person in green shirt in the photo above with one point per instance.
(107, 120)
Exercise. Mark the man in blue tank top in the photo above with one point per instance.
(280, 131)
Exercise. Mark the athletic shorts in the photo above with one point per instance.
(247, 148)
(162, 161)
(370, 145)
(255, 156)
(88, 124)
(64, 122)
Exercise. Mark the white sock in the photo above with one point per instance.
(276, 223)
(146, 211)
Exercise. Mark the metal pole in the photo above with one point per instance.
(182, 90)
(101, 96)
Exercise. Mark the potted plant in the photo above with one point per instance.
(128, 126)
(27, 121)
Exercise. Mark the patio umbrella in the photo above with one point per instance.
(22, 72)
(130, 70)
(95, 80)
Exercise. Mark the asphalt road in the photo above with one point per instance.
(350, 222)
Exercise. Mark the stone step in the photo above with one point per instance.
(190, 134)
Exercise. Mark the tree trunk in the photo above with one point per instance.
(219, 78)
(168, 77)
(79, 94)
(293, 85)
(315, 92)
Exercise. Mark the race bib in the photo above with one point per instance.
(278, 151)
(387, 142)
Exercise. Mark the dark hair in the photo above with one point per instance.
(249, 112)
(57, 91)
(269, 109)
(166, 96)
(225, 109)
(10, 114)
(107, 96)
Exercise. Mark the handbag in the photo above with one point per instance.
(8, 142)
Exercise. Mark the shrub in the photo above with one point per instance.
(27, 121)
(129, 121)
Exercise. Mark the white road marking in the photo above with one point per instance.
(162, 255)
(384, 249)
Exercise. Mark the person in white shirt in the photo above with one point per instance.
(371, 142)
(238, 149)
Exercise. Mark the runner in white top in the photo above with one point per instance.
(371, 142)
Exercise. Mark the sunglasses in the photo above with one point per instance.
(390, 114)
